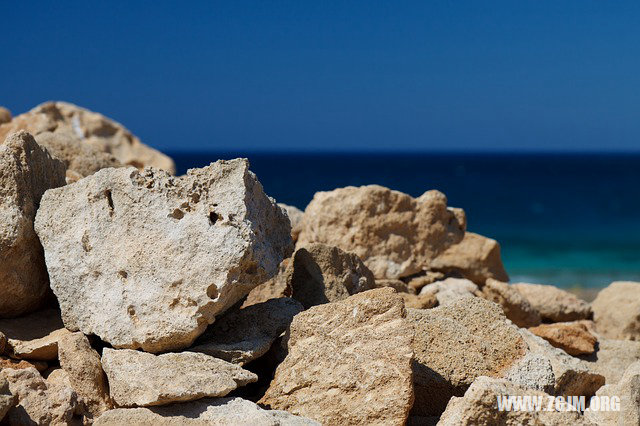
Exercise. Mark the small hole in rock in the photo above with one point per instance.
(123, 274)
(213, 217)
(177, 214)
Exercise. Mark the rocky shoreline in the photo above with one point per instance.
(132, 296)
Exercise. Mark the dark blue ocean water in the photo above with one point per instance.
(568, 220)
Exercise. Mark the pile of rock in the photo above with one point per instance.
(135, 297)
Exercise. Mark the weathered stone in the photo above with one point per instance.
(534, 371)
(26, 172)
(616, 311)
(78, 157)
(295, 216)
(243, 335)
(322, 274)
(39, 402)
(572, 337)
(613, 357)
(451, 290)
(573, 376)
(628, 392)
(3, 342)
(476, 258)
(84, 370)
(348, 362)
(5, 115)
(18, 364)
(42, 349)
(454, 345)
(145, 260)
(515, 307)
(7, 401)
(416, 283)
(394, 234)
(398, 285)
(419, 301)
(143, 379)
(274, 288)
(479, 406)
(220, 411)
(553, 304)
(91, 128)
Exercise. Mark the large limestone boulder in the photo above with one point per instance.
(91, 128)
(515, 307)
(219, 411)
(476, 258)
(142, 379)
(455, 344)
(394, 234)
(146, 260)
(320, 274)
(616, 311)
(553, 304)
(628, 393)
(348, 362)
(26, 172)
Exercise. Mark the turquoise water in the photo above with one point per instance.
(567, 220)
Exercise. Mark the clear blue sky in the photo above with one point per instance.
(350, 75)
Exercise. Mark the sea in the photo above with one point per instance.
(570, 220)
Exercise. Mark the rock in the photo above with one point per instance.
(26, 172)
(322, 274)
(572, 337)
(143, 379)
(628, 392)
(3, 342)
(553, 304)
(515, 307)
(450, 290)
(274, 288)
(394, 234)
(416, 283)
(5, 115)
(398, 285)
(455, 344)
(7, 401)
(476, 258)
(220, 411)
(82, 365)
(42, 349)
(92, 129)
(78, 157)
(616, 311)
(534, 371)
(295, 216)
(479, 406)
(38, 402)
(243, 335)
(573, 376)
(348, 362)
(419, 301)
(146, 260)
(613, 357)
(16, 364)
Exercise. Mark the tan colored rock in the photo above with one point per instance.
(39, 402)
(419, 301)
(220, 411)
(321, 274)
(455, 344)
(348, 362)
(5, 115)
(627, 394)
(42, 349)
(295, 216)
(394, 234)
(3, 342)
(450, 290)
(146, 260)
(26, 172)
(616, 311)
(78, 157)
(274, 288)
(476, 258)
(416, 283)
(515, 307)
(18, 364)
(553, 304)
(7, 401)
(82, 365)
(398, 285)
(613, 357)
(242, 335)
(479, 406)
(92, 129)
(572, 337)
(143, 379)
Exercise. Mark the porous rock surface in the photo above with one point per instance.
(455, 344)
(242, 335)
(91, 128)
(616, 311)
(26, 172)
(143, 379)
(515, 307)
(572, 337)
(146, 260)
(554, 304)
(628, 391)
(348, 362)
(393, 233)
(219, 411)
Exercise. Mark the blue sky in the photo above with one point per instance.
(324, 75)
